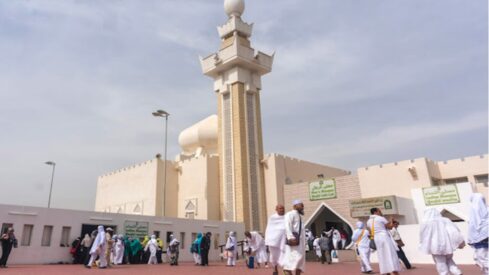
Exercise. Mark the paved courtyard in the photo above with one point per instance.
(214, 269)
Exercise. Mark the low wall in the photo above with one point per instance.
(37, 217)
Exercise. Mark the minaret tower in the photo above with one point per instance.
(237, 69)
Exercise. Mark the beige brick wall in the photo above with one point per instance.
(347, 188)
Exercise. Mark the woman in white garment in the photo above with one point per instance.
(386, 246)
(119, 250)
(173, 249)
(231, 249)
(317, 248)
(98, 249)
(478, 230)
(361, 238)
(336, 238)
(152, 246)
(440, 237)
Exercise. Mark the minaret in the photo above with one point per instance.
(237, 69)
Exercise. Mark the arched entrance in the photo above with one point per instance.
(325, 218)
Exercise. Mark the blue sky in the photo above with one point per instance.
(354, 83)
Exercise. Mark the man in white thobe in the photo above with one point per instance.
(478, 230)
(361, 238)
(98, 249)
(440, 237)
(257, 246)
(275, 237)
(295, 250)
(386, 246)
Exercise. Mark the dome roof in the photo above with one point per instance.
(202, 135)
(234, 7)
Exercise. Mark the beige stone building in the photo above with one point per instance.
(223, 174)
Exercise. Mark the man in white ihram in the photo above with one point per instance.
(295, 250)
(275, 237)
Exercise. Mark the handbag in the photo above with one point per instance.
(372, 234)
(296, 241)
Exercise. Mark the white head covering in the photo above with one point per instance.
(359, 225)
(478, 219)
(438, 235)
(153, 239)
(296, 202)
(99, 240)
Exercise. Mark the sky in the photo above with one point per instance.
(354, 83)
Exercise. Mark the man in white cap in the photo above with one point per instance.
(275, 237)
(295, 250)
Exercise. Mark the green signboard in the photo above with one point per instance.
(444, 194)
(322, 190)
(361, 207)
(135, 229)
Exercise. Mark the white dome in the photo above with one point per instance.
(234, 7)
(202, 135)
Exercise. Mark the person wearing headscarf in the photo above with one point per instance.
(98, 249)
(159, 252)
(110, 242)
(275, 237)
(136, 251)
(127, 250)
(152, 247)
(231, 249)
(195, 248)
(119, 250)
(317, 248)
(173, 250)
(294, 261)
(440, 237)
(361, 238)
(257, 245)
(205, 246)
(386, 246)
(478, 230)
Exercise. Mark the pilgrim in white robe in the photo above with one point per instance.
(98, 248)
(258, 248)
(231, 249)
(295, 256)
(152, 246)
(361, 238)
(119, 250)
(386, 246)
(478, 230)
(440, 237)
(316, 247)
(275, 239)
(336, 238)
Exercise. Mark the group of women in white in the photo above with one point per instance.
(439, 237)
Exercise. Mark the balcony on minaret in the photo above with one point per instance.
(236, 51)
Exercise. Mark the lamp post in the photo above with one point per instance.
(52, 163)
(164, 114)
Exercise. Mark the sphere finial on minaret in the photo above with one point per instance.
(234, 7)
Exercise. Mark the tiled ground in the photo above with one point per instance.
(214, 269)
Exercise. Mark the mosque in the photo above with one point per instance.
(223, 174)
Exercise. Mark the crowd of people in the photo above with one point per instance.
(103, 248)
(286, 241)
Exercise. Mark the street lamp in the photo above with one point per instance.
(164, 114)
(52, 163)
